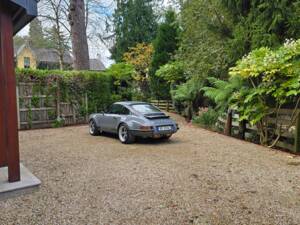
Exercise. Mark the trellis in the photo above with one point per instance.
(40, 110)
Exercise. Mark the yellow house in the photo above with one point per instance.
(25, 57)
(28, 57)
(42, 58)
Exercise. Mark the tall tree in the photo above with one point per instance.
(140, 57)
(20, 40)
(165, 45)
(263, 23)
(54, 13)
(36, 34)
(134, 22)
(77, 21)
(204, 48)
(58, 41)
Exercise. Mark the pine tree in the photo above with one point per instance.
(165, 45)
(134, 22)
(20, 40)
(36, 34)
(264, 23)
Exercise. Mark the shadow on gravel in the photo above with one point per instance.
(148, 141)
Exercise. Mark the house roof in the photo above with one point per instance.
(44, 55)
(51, 56)
(23, 12)
(96, 65)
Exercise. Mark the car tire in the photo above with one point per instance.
(93, 129)
(125, 135)
(166, 137)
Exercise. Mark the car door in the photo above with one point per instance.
(112, 118)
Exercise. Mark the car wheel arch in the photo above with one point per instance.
(94, 120)
(120, 124)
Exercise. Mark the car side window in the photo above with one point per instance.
(125, 111)
(118, 109)
(114, 109)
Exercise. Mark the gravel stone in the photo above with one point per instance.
(197, 177)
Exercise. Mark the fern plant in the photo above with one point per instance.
(222, 92)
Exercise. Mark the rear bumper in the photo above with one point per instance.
(152, 134)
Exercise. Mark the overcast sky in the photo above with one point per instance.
(96, 47)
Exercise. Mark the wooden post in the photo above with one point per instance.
(242, 129)
(168, 105)
(74, 113)
(86, 107)
(18, 107)
(57, 101)
(297, 136)
(228, 123)
(8, 106)
(3, 161)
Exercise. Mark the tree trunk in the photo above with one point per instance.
(78, 35)
(61, 61)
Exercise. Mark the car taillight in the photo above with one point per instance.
(146, 128)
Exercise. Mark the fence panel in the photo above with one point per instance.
(165, 105)
(37, 110)
(289, 139)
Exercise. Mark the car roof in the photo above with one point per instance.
(129, 103)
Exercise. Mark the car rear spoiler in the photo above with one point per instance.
(156, 116)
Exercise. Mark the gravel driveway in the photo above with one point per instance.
(198, 177)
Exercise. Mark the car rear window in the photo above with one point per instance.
(145, 108)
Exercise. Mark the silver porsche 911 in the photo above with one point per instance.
(133, 119)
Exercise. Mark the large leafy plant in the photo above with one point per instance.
(274, 79)
(173, 73)
(223, 92)
(185, 94)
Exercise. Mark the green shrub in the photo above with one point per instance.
(207, 119)
(35, 101)
(59, 122)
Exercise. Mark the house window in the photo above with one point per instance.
(26, 62)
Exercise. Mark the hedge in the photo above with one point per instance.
(100, 87)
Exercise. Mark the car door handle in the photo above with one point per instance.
(115, 117)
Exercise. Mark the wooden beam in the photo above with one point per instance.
(242, 129)
(3, 161)
(228, 123)
(8, 95)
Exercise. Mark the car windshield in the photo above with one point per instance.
(145, 108)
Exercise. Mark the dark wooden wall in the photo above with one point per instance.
(9, 142)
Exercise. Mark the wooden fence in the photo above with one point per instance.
(37, 110)
(290, 138)
(165, 105)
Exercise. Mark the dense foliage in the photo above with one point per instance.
(274, 82)
(165, 45)
(36, 35)
(140, 58)
(262, 83)
(207, 119)
(218, 33)
(134, 22)
(123, 80)
(102, 89)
